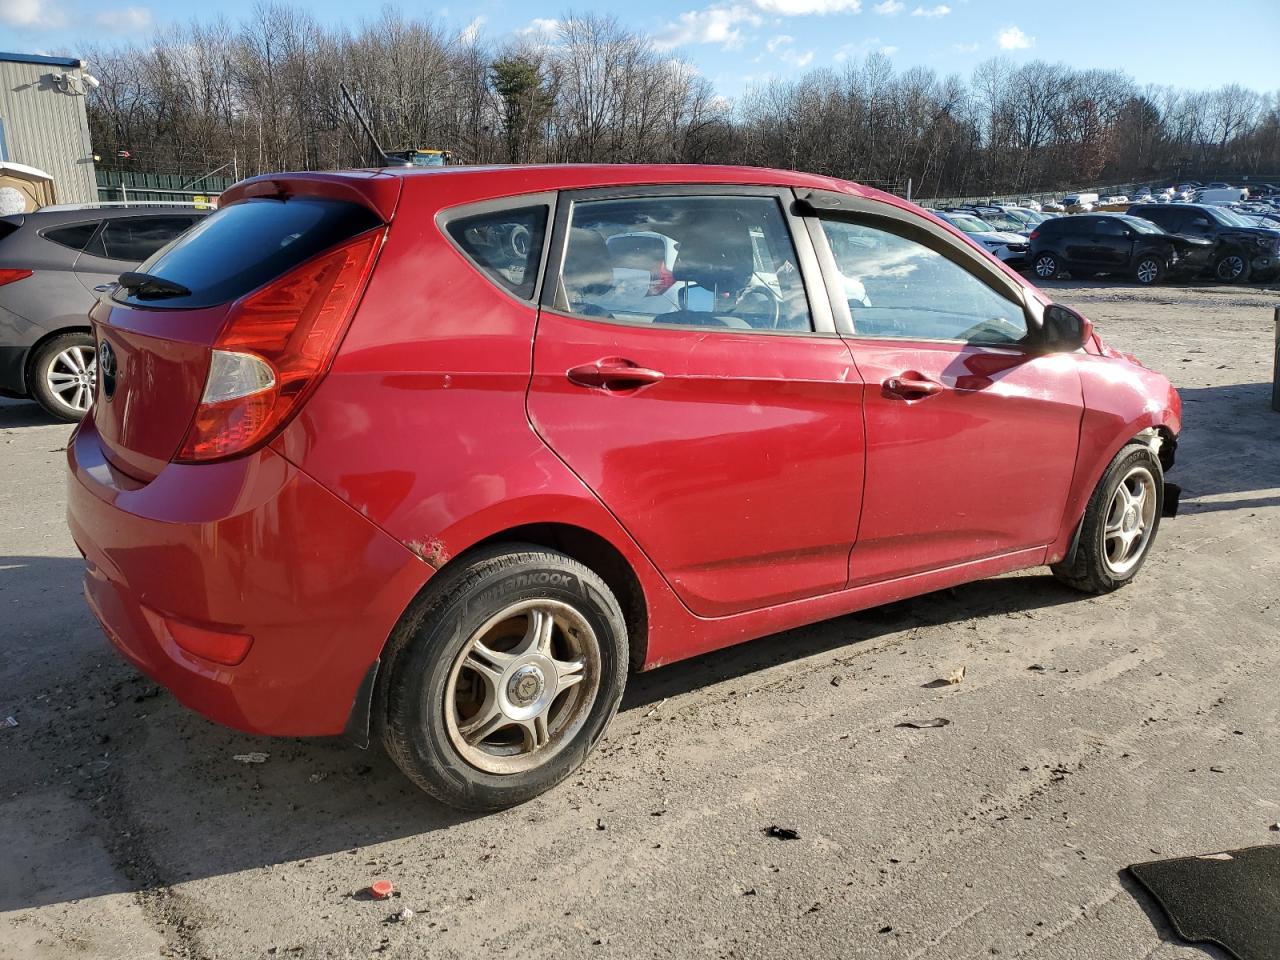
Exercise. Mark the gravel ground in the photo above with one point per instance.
(1146, 730)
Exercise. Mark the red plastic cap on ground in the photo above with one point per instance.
(382, 889)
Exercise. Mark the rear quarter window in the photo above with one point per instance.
(134, 239)
(76, 236)
(505, 244)
(245, 245)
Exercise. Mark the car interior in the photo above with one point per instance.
(685, 261)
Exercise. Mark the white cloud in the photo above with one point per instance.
(798, 59)
(941, 10)
(539, 27)
(471, 32)
(719, 25)
(966, 47)
(32, 14)
(781, 40)
(125, 20)
(850, 50)
(800, 8)
(889, 8)
(1012, 38)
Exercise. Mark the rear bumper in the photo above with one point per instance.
(251, 546)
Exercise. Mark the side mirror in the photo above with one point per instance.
(1063, 330)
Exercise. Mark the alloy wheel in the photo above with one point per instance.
(1046, 267)
(1130, 520)
(1230, 267)
(1148, 270)
(522, 686)
(71, 377)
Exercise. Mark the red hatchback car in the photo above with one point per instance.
(437, 456)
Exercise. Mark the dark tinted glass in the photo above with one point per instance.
(73, 235)
(133, 239)
(245, 245)
(506, 245)
(1111, 228)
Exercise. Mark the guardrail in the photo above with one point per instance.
(122, 193)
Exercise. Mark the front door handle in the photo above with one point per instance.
(912, 386)
(613, 373)
(104, 287)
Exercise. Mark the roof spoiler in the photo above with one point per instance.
(379, 192)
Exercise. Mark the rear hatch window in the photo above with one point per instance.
(243, 246)
(264, 274)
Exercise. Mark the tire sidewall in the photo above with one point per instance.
(423, 670)
(1096, 533)
(38, 386)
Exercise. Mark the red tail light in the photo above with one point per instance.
(1034, 234)
(10, 276)
(275, 347)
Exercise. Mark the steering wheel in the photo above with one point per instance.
(772, 303)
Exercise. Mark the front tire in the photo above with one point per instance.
(1119, 524)
(62, 375)
(1232, 268)
(504, 677)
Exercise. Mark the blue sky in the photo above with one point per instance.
(738, 42)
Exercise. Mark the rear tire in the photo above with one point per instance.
(1118, 528)
(1232, 268)
(1149, 270)
(62, 375)
(503, 677)
(1046, 266)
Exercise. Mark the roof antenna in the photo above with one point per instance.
(385, 159)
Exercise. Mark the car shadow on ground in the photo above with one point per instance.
(26, 413)
(170, 796)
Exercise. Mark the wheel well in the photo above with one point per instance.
(594, 551)
(32, 350)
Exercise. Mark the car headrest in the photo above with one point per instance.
(587, 267)
(716, 254)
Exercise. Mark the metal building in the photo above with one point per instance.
(43, 122)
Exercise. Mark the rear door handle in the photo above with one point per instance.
(912, 386)
(613, 373)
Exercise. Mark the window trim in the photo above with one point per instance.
(820, 309)
(820, 204)
(546, 198)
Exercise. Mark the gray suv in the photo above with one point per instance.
(53, 264)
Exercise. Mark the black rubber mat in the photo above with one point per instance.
(1231, 899)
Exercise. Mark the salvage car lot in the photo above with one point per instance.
(131, 829)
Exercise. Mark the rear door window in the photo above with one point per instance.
(247, 244)
(133, 239)
(688, 261)
(505, 244)
(73, 235)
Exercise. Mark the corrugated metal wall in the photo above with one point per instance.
(47, 128)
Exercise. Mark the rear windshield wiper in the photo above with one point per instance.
(147, 286)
